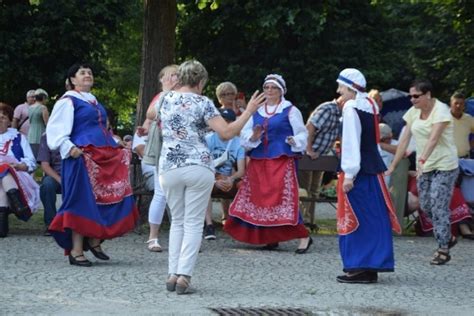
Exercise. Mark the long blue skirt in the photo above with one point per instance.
(370, 247)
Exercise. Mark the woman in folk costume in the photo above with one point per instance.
(365, 215)
(19, 193)
(266, 208)
(96, 193)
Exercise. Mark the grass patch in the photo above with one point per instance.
(326, 227)
(34, 225)
(329, 227)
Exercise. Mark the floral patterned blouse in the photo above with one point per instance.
(184, 117)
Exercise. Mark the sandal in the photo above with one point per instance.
(183, 285)
(154, 245)
(171, 282)
(452, 242)
(440, 258)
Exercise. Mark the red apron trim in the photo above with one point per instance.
(269, 193)
(346, 218)
(388, 201)
(376, 121)
(109, 185)
(347, 221)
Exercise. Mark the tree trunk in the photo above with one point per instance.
(158, 49)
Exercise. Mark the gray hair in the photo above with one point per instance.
(191, 73)
(225, 86)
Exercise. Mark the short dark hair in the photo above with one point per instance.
(71, 73)
(423, 85)
(458, 95)
(7, 110)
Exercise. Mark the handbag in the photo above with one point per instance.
(153, 144)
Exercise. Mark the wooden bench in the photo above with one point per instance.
(138, 185)
(322, 163)
(136, 181)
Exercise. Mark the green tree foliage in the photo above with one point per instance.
(309, 42)
(117, 87)
(436, 40)
(43, 38)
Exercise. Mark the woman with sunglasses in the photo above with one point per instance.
(430, 122)
(266, 207)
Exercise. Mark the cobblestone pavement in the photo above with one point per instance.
(36, 279)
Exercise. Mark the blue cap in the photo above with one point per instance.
(228, 114)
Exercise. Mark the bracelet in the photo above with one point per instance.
(421, 161)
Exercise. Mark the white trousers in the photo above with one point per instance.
(158, 203)
(187, 192)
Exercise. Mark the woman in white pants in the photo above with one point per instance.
(168, 77)
(185, 167)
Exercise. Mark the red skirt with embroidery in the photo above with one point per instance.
(266, 207)
(458, 209)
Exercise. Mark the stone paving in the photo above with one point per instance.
(36, 279)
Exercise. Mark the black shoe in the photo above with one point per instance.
(18, 205)
(96, 250)
(209, 232)
(365, 277)
(272, 246)
(302, 251)
(82, 263)
(4, 221)
(468, 236)
(47, 233)
(374, 275)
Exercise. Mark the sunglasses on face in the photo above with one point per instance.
(416, 96)
(228, 94)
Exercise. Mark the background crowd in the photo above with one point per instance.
(246, 153)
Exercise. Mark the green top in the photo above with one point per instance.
(37, 126)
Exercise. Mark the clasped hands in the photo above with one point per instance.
(19, 166)
(225, 184)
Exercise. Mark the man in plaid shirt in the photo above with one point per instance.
(323, 129)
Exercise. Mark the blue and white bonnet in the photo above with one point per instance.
(353, 79)
(276, 80)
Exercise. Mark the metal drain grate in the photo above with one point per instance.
(242, 311)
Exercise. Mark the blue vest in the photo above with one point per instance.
(370, 160)
(90, 125)
(16, 147)
(277, 128)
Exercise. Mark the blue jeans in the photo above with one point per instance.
(48, 189)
